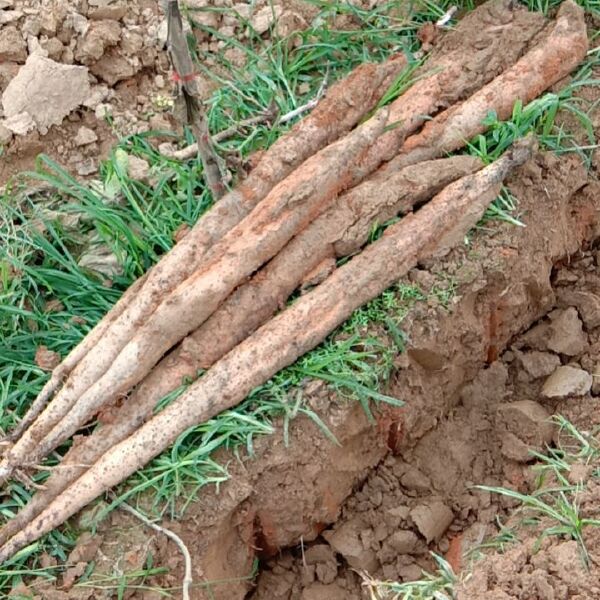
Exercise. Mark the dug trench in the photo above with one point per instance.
(496, 319)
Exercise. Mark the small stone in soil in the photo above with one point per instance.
(529, 421)
(265, 17)
(403, 542)
(346, 541)
(415, 480)
(567, 381)
(587, 303)
(138, 168)
(87, 167)
(410, 572)
(515, 449)
(319, 553)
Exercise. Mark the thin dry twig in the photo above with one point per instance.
(446, 17)
(187, 576)
(266, 117)
(191, 110)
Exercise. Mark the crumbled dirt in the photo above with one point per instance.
(475, 410)
(108, 53)
(555, 569)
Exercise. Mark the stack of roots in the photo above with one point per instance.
(217, 300)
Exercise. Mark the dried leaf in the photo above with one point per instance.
(54, 306)
(86, 548)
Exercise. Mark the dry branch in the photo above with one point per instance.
(267, 116)
(187, 559)
(286, 337)
(192, 110)
(287, 209)
(344, 106)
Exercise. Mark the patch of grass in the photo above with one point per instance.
(559, 506)
(506, 536)
(25, 565)
(122, 584)
(433, 586)
(286, 72)
(574, 448)
(554, 506)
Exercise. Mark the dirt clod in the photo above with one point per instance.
(265, 17)
(12, 46)
(347, 542)
(566, 333)
(46, 91)
(46, 359)
(586, 302)
(567, 381)
(529, 421)
(85, 136)
(528, 427)
(538, 364)
(138, 168)
(432, 519)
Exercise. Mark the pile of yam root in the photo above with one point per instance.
(218, 299)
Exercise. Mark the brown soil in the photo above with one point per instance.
(126, 87)
(466, 400)
(319, 516)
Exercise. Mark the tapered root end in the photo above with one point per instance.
(522, 150)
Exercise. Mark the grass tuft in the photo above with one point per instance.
(554, 506)
(433, 586)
